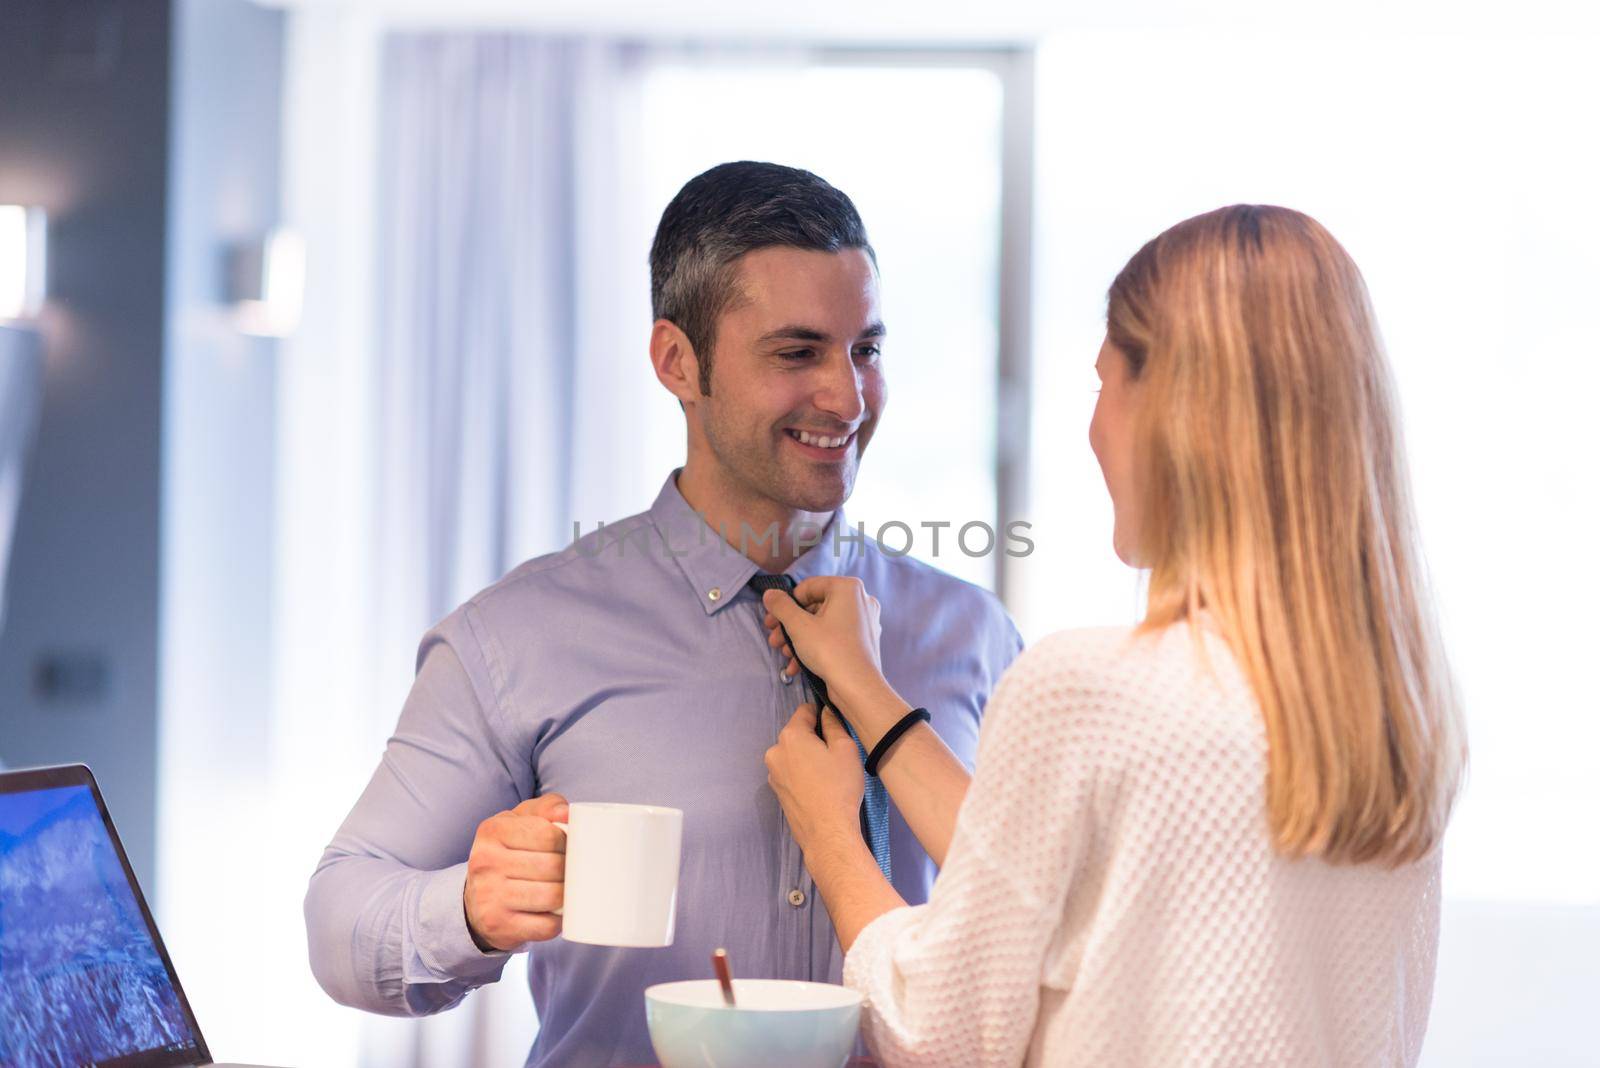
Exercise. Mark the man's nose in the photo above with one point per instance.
(839, 391)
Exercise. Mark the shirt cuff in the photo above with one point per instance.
(441, 948)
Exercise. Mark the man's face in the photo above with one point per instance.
(796, 377)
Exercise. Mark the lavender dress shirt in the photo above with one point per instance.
(632, 666)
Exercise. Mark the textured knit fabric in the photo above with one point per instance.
(1112, 897)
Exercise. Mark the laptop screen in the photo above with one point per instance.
(83, 979)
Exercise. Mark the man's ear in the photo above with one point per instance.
(675, 362)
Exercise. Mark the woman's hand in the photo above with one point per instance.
(818, 780)
(834, 628)
(819, 783)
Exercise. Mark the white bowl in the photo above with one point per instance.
(778, 1023)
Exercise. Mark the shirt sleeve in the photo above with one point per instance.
(385, 919)
(957, 981)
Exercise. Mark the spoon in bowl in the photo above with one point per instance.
(719, 963)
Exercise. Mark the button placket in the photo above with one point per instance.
(795, 891)
(794, 885)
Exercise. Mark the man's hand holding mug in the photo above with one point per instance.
(515, 875)
(619, 862)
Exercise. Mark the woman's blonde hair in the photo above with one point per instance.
(1274, 494)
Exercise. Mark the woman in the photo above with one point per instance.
(1211, 838)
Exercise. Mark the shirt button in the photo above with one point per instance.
(797, 897)
(714, 593)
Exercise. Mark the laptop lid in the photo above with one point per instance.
(84, 978)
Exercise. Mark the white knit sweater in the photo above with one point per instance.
(1111, 895)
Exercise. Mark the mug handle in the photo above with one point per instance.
(567, 832)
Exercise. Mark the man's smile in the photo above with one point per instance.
(819, 446)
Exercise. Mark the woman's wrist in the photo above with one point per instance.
(829, 855)
(851, 884)
(872, 709)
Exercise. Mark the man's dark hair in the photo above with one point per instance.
(720, 215)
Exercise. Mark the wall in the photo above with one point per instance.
(219, 527)
(21, 392)
(220, 407)
(83, 133)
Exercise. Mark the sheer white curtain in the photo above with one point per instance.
(512, 310)
(476, 241)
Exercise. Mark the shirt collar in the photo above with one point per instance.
(715, 569)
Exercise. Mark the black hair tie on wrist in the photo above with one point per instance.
(892, 735)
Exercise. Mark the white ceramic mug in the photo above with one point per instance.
(622, 874)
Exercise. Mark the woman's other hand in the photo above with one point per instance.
(818, 780)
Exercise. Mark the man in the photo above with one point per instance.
(633, 666)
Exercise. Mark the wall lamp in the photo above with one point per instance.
(266, 283)
(22, 248)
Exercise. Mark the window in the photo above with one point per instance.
(1453, 171)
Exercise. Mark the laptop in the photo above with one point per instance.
(84, 978)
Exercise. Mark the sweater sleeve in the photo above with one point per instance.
(957, 981)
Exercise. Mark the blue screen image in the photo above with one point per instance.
(80, 978)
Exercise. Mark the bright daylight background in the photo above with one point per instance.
(1459, 168)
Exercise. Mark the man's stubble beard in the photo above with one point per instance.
(761, 471)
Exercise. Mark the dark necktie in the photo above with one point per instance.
(875, 801)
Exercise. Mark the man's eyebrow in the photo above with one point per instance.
(796, 332)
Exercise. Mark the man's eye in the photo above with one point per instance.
(796, 354)
(868, 352)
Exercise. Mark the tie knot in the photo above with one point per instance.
(763, 583)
